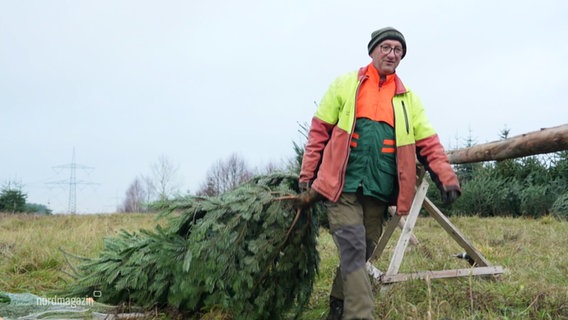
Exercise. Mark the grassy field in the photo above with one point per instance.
(535, 285)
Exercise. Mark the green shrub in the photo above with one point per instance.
(485, 195)
(536, 200)
(560, 207)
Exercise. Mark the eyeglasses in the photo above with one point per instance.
(386, 49)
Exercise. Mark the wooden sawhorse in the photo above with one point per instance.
(480, 267)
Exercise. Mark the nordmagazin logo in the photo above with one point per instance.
(65, 301)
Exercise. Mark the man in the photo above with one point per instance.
(361, 153)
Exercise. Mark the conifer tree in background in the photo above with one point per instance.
(247, 252)
(519, 176)
(12, 199)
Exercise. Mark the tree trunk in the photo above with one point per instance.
(538, 142)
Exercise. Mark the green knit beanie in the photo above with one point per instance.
(387, 33)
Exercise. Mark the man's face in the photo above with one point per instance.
(386, 56)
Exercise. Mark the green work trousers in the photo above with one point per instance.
(356, 223)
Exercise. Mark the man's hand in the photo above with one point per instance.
(303, 186)
(449, 196)
(307, 198)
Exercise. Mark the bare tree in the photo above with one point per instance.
(150, 189)
(272, 167)
(165, 175)
(224, 176)
(159, 186)
(135, 197)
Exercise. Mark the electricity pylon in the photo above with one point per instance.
(72, 182)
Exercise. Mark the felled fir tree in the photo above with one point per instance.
(247, 251)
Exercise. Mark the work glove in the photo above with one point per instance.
(450, 195)
(303, 186)
(307, 198)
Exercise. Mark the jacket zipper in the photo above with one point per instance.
(405, 118)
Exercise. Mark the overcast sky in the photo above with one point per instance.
(124, 82)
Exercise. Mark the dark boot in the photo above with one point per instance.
(335, 309)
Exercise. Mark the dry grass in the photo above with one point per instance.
(533, 252)
(30, 246)
(535, 285)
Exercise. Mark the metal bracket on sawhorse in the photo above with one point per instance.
(480, 267)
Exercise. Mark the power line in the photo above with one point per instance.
(72, 182)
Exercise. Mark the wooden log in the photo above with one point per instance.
(545, 140)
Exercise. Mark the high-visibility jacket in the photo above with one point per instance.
(327, 149)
